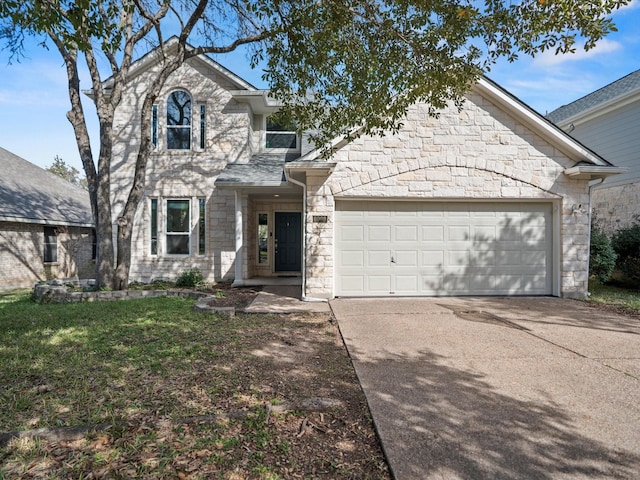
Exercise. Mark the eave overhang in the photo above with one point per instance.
(590, 172)
(240, 184)
(307, 166)
(258, 100)
(42, 221)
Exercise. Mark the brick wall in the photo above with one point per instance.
(22, 250)
(479, 152)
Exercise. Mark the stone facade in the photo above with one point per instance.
(22, 248)
(478, 153)
(616, 207)
(184, 174)
(481, 152)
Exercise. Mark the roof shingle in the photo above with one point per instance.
(29, 193)
(624, 85)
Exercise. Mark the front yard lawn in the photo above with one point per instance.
(619, 299)
(178, 394)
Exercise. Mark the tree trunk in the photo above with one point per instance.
(123, 258)
(126, 220)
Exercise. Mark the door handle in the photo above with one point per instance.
(392, 260)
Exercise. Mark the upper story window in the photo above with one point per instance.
(281, 133)
(179, 120)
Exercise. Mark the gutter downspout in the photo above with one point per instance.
(304, 238)
(591, 185)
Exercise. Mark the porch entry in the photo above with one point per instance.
(288, 242)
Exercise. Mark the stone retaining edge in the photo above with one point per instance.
(60, 294)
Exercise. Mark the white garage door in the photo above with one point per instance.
(436, 248)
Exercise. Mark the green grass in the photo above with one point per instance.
(624, 299)
(143, 366)
(106, 361)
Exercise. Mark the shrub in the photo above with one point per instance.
(190, 278)
(602, 257)
(626, 243)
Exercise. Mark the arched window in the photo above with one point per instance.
(179, 120)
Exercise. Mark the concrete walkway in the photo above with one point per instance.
(284, 299)
(526, 388)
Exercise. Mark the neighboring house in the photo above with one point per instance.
(489, 200)
(46, 228)
(608, 122)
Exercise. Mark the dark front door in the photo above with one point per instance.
(288, 242)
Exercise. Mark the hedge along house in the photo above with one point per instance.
(46, 227)
(488, 200)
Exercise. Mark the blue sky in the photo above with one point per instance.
(34, 102)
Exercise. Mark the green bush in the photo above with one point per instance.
(602, 258)
(626, 243)
(190, 278)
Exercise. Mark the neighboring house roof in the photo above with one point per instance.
(30, 194)
(615, 91)
(265, 170)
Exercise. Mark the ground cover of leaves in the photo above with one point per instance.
(183, 394)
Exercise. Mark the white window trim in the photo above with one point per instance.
(278, 150)
(158, 226)
(192, 139)
(206, 242)
(189, 232)
(268, 262)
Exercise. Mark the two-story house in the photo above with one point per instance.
(608, 121)
(487, 200)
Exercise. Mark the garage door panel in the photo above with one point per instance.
(406, 284)
(433, 233)
(508, 284)
(442, 248)
(432, 258)
(352, 284)
(483, 234)
(380, 284)
(484, 259)
(506, 257)
(351, 258)
(379, 233)
(458, 258)
(456, 283)
(378, 258)
(352, 233)
(478, 283)
(534, 257)
(406, 257)
(406, 233)
(458, 233)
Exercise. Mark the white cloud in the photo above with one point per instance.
(550, 59)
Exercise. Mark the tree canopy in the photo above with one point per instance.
(70, 173)
(335, 64)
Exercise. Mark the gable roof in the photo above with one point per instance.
(30, 194)
(518, 109)
(615, 91)
(146, 61)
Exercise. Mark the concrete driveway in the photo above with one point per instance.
(476, 388)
